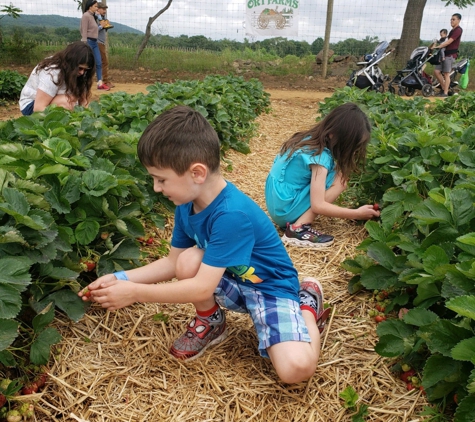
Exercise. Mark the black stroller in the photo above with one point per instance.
(413, 77)
(370, 75)
(458, 68)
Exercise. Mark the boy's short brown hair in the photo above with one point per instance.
(178, 138)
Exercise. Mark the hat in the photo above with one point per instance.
(101, 6)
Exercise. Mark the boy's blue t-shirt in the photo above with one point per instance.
(236, 234)
(288, 183)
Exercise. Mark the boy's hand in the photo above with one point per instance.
(113, 294)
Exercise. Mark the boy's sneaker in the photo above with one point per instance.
(104, 87)
(306, 237)
(311, 297)
(200, 334)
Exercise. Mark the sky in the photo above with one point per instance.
(219, 19)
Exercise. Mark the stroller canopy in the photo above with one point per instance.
(378, 52)
(419, 52)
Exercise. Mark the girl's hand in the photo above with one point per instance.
(87, 294)
(367, 212)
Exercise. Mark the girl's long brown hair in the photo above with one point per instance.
(345, 131)
(68, 61)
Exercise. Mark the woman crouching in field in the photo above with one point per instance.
(64, 79)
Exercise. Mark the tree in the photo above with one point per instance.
(148, 30)
(11, 11)
(411, 28)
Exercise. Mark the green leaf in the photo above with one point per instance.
(8, 332)
(442, 336)
(390, 346)
(466, 410)
(465, 350)
(462, 208)
(41, 346)
(441, 375)
(463, 305)
(378, 277)
(419, 317)
(44, 318)
(430, 212)
(70, 303)
(467, 239)
(7, 359)
(97, 182)
(382, 254)
(16, 201)
(87, 231)
(10, 301)
(375, 231)
(433, 257)
(15, 270)
(349, 396)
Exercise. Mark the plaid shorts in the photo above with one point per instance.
(276, 319)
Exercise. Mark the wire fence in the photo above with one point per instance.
(218, 19)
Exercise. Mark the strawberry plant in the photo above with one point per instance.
(74, 197)
(422, 250)
(11, 84)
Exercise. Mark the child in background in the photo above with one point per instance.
(225, 253)
(443, 37)
(312, 170)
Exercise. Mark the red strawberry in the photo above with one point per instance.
(379, 318)
(104, 235)
(30, 388)
(409, 386)
(3, 400)
(41, 379)
(408, 374)
(86, 292)
(376, 207)
(150, 241)
(380, 308)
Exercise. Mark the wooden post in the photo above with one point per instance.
(326, 41)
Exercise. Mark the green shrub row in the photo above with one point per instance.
(420, 255)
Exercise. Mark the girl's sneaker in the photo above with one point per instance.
(200, 334)
(306, 237)
(311, 298)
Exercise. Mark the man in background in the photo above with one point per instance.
(104, 25)
(451, 45)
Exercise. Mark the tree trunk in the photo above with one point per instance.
(411, 31)
(148, 31)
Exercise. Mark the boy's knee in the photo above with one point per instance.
(297, 370)
(188, 263)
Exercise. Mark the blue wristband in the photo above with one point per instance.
(121, 275)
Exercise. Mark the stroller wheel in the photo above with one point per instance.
(427, 90)
(401, 91)
(391, 89)
(410, 91)
(378, 87)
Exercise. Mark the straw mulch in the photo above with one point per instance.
(115, 366)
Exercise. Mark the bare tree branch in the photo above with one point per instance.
(148, 30)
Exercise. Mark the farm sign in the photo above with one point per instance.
(272, 17)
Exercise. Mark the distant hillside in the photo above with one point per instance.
(56, 21)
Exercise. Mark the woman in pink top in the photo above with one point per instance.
(89, 33)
